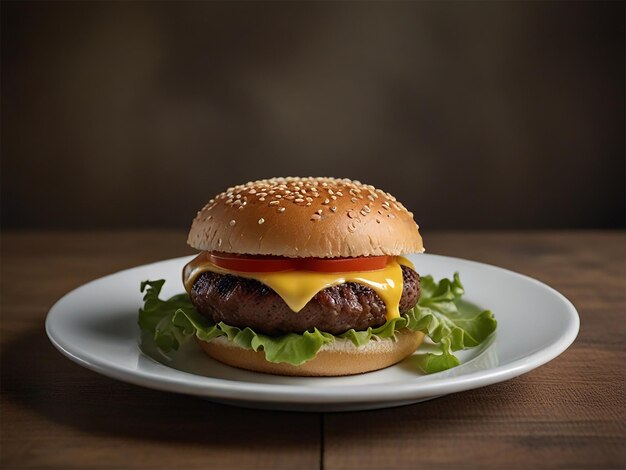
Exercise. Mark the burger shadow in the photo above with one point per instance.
(37, 377)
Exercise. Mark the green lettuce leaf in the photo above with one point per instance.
(171, 322)
(156, 316)
(291, 348)
(450, 327)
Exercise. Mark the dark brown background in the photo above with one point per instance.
(476, 115)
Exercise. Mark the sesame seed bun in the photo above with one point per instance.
(306, 217)
(341, 357)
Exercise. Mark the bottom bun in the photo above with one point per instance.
(340, 357)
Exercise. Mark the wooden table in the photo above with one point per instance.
(569, 413)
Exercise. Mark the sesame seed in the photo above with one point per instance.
(232, 223)
(304, 191)
(261, 220)
(316, 217)
(352, 227)
(219, 242)
(351, 214)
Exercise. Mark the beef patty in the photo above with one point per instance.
(242, 302)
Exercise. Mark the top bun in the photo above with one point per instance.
(306, 217)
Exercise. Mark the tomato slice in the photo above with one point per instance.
(343, 265)
(252, 264)
(256, 264)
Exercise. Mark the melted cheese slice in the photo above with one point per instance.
(297, 287)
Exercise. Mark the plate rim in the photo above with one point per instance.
(174, 380)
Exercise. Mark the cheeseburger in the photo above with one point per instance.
(289, 258)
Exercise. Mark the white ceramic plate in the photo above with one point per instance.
(96, 326)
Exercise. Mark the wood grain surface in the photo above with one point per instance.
(570, 413)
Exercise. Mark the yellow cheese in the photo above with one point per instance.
(298, 287)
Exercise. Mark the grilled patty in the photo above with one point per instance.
(243, 302)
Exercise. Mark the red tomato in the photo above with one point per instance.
(343, 265)
(256, 264)
(252, 264)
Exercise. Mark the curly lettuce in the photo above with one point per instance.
(172, 322)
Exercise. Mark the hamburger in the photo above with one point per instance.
(303, 276)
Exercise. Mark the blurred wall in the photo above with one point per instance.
(474, 114)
